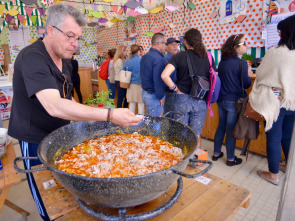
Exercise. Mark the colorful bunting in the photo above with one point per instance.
(34, 19)
(115, 8)
(2, 7)
(8, 18)
(41, 11)
(25, 22)
(29, 11)
(21, 18)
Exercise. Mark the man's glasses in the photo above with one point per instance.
(243, 43)
(72, 39)
(163, 43)
(66, 84)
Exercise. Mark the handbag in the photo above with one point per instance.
(245, 128)
(251, 113)
(200, 84)
(125, 78)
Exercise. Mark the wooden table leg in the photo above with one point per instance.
(16, 208)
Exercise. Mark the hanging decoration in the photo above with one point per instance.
(96, 14)
(132, 4)
(156, 10)
(30, 2)
(2, 8)
(133, 13)
(130, 18)
(171, 8)
(115, 8)
(191, 6)
(29, 11)
(141, 10)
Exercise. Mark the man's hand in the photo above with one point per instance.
(124, 117)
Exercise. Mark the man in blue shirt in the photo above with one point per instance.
(152, 65)
(172, 49)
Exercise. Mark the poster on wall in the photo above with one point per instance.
(5, 101)
(130, 33)
(231, 9)
(275, 7)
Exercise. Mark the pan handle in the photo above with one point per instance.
(197, 174)
(27, 170)
(175, 113)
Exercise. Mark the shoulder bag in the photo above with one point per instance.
(200, 85)
(125, 77)
(245, 128)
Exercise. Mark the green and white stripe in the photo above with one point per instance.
(255, 52)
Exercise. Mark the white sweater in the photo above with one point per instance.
(277, 70)
(118, 66)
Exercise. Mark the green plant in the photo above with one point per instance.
(247, 57)
(101, 99)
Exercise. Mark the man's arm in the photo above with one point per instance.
(159, 85)
(70, 110)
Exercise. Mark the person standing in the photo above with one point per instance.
(151, 66)
(273, 96)
(172, 49)
(119, 59)
(231, 90)
(111, 72)
(76, 79)
(42, 100)
(194, 110)
(134, 91)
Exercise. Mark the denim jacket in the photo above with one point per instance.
(134, 67)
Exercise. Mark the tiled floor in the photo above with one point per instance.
(263, 202)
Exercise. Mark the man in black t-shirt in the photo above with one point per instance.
(42, 100)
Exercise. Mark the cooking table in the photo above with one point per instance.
(8, 178)
(209, 198)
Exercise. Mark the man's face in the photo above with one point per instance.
(163, 45)
(63, 47)
(172, 48)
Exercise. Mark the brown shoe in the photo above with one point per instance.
(267, 176)
(283, 167)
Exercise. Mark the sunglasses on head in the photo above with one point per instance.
(66, 84)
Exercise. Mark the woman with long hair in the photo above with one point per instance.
(194, 110)
(229, 71)
(119, 59)
(111, 79)
(273, 96)
(135, 89)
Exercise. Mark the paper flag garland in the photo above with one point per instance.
(133, 12)
(149, 33)
(111, 14)
(2, 7)
(41, 11)
(120, 12)
(125, 9)
(8, 18)
(29, 11)
(115, 8)
(34, 19)
(25, 22)
(20, 18)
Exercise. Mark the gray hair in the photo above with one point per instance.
(158, 37)
(57, 13)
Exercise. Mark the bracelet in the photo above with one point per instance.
(109, 115)
(172, 88)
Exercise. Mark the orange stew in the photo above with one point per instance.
(120, 155)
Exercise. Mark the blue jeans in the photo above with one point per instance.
(194, 111)
(122, 100)
(169, 102)
(152, 104)
(227, 121)
(280, 133)
(111, 87)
